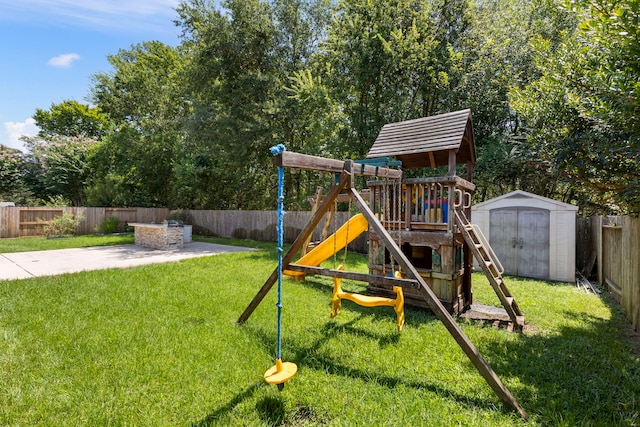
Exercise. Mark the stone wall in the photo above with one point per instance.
(158, 236)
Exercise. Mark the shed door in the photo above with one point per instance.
(520, 238)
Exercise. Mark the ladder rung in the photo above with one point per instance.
(520, 320)
(509, 301)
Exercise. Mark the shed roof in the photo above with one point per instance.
(519, 198)
(426, 142)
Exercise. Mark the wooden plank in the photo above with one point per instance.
(597, 224)
(350, 275)
(315, 204)
(629, 269)
(345, 178)
(432, 160)
(10, 222)
(290, 159)
(634, 277)
(463, 341)
(452, 163)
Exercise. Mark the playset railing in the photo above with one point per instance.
(420, 203)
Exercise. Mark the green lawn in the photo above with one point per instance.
(27, 244)
(159, 345)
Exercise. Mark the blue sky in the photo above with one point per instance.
(50, 49)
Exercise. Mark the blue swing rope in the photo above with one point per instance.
(275, 151)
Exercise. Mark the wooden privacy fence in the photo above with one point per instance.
(25, 222)
(261, 225)
(614, 242)
(255, 225)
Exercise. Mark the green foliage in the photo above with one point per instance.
(72, 119)
(62, 226)
(14, 177)
(583, 111)
(555, 105)
(60, 166)
(109, 225)
(133, 166)
(496, 56)
(56, 201)
(382, 66)
(243, 59)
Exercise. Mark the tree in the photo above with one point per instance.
(379, 61)
(142, 95)
(495, 56)
(582, 113)
(72, 119)
(244, 59)
(61, 166)
(13, 176)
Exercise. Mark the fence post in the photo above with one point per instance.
(597, 234)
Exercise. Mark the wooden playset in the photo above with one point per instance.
(421, 240)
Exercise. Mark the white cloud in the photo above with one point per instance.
(64, 61)
(17, 129)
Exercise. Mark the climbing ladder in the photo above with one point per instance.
(490, 265)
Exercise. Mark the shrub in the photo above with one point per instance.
(62, 226)
(109, 225)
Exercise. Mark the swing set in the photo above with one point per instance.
(406, 277)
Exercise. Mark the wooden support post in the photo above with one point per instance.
(599, 252)
(432, 160)
(314, 208)
(297, 244)
(463, 341)
(452, 163)
(407, 206)
(451, 194)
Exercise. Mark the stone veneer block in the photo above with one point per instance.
(158, 236)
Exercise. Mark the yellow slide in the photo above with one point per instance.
(325, 250)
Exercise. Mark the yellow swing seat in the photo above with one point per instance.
(366, 300)
(281, 372)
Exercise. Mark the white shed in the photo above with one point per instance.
(532, 236)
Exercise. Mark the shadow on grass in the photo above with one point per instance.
(311, 357)
(573, 375)
(214, 416)
(271, 409)
(576, 376)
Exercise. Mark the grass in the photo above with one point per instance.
(28, 244)
(159, 345)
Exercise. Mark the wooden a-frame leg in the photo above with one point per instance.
(345, 178)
